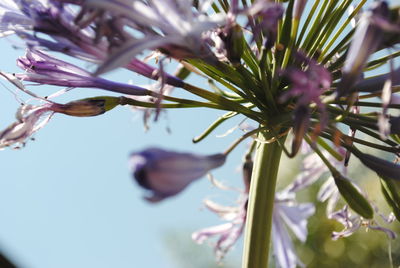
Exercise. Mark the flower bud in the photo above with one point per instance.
(234, 44)
(166, 173)
(353, 197)
(88, 107)
(391, 192)
(382, 167)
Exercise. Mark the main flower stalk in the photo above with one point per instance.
(261, 202)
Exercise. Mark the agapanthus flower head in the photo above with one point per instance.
(264, 60)
(166, 173)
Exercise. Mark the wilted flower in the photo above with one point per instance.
(32, 118)
(166, 173)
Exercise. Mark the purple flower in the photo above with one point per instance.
(228, 233)
(288, 212)
(68, 32)
(266, 15)
(44, 69)
(165, 173)
(307, 86)
(352, 223)
(366, 40)
(178, 35)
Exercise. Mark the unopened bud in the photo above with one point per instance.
(391, 192)
(353, 197)
(88, 107)
(234, 44)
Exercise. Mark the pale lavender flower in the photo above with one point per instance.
(352, 223)
(313, 169)
(227, 233)
(26, 18)
(287, 212)
(165, 173)
(298, 8)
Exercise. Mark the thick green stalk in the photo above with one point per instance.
(261, 203)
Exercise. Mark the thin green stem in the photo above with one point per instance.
(242, 138)
(261, 202)
(186, 104)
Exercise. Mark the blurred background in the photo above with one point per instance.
(67, 198)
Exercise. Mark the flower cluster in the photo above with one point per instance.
(305, 70)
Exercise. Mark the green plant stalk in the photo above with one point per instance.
(261, 202)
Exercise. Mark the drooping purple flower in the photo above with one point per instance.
(366, 40)
(376, 83)
(166, 173)
(44, 69)
(395, 125)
